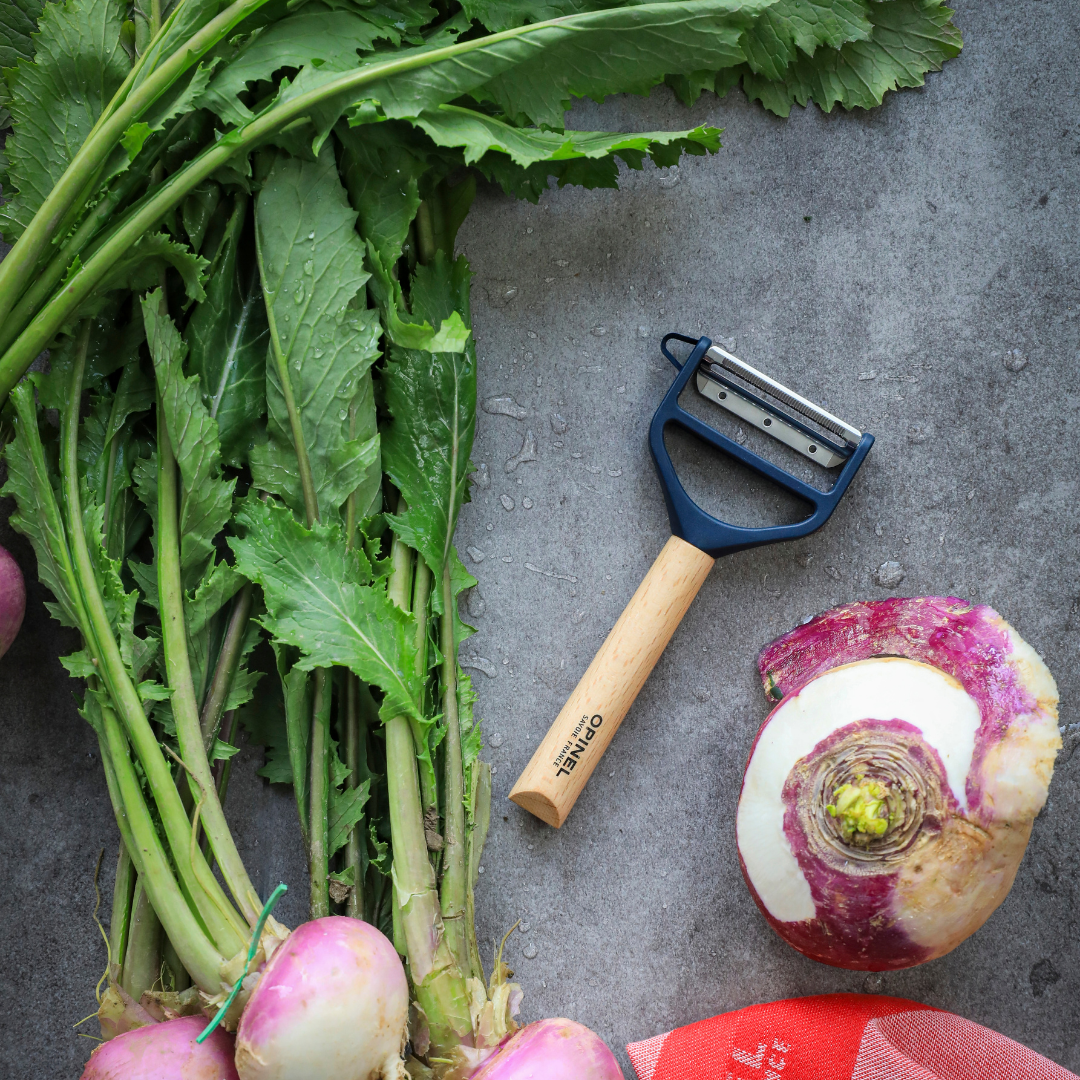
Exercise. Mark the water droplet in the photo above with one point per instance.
(562, 262)
(495, 740)
(296, 365)
(311, 235)
(598, 331)
(525, 927)
(643, 331)
(507, 502)
(475, 553)
(889, 574)
(287, 317)
(578, 617)
(475, 604)
(482, 478)
(480, 868)
(298, 296)
(526, 453)
(318, 353)
(529, 952)
(480, 663)
(504, 406)
(833, 572)
(343, 414)
(527, 503)
(558, 424)
(614, 472)
(309, 267)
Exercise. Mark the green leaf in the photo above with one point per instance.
(910, 38)
(141, 268)
(18, 21)
(381, 166)
(345, 810)
(330, 39)
(431, 398)
(263, 718)
(37, 513)
(791, 26)
(535, 75)
(207, 498)
(477, 134)
(312, 278)
(57, 98)
(228, 338)
(452, 335)
(320, 600)
(222, 751)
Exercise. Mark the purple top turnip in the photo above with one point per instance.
(551, 1050)
(164, 1052)
(890, 795)
(12, 600)
(333, 1001)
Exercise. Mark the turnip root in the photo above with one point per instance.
(333, 1001)
(164, 1052)
(12, 600)
(553, 1049)
(890, 795)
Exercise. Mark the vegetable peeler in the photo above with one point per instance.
(575, 742)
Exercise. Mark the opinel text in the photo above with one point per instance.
(584, 732)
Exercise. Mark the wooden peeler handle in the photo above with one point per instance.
(574, 744)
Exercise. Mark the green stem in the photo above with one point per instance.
(425, 233)
(18, 267)
(429, 793)
(355, 735)
(142, 961)
(189, 732)
(454, 886)
(218, 915)
(439, 984)
(171, 959)
(123, 893)
(149, 212)
(319, 791)
(197, 953)
(225, 670)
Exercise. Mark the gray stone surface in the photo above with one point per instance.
(927, 243)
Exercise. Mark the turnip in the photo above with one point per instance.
(12, 600)
(553, 1049)
(167, 1051)
(333, 1001)
(890, 795)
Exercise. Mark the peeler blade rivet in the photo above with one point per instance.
(723, 394)
(812, 448)
(768, 422)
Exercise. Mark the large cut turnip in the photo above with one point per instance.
(890, 795)
(165, 1051)
(332, 1002)
(551, 1050)
(12, 600)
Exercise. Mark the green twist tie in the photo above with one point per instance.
(275, 896)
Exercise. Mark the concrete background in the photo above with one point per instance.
(927, 243)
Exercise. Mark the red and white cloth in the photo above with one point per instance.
(839, 1037)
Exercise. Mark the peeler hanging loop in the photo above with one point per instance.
(692, 524)
(677, 337)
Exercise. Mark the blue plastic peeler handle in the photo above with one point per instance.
(688, 521)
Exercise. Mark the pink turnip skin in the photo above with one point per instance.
(953, 871)
(165, 1051)
(551, 1050)
(332, 1002)
(12, 600)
